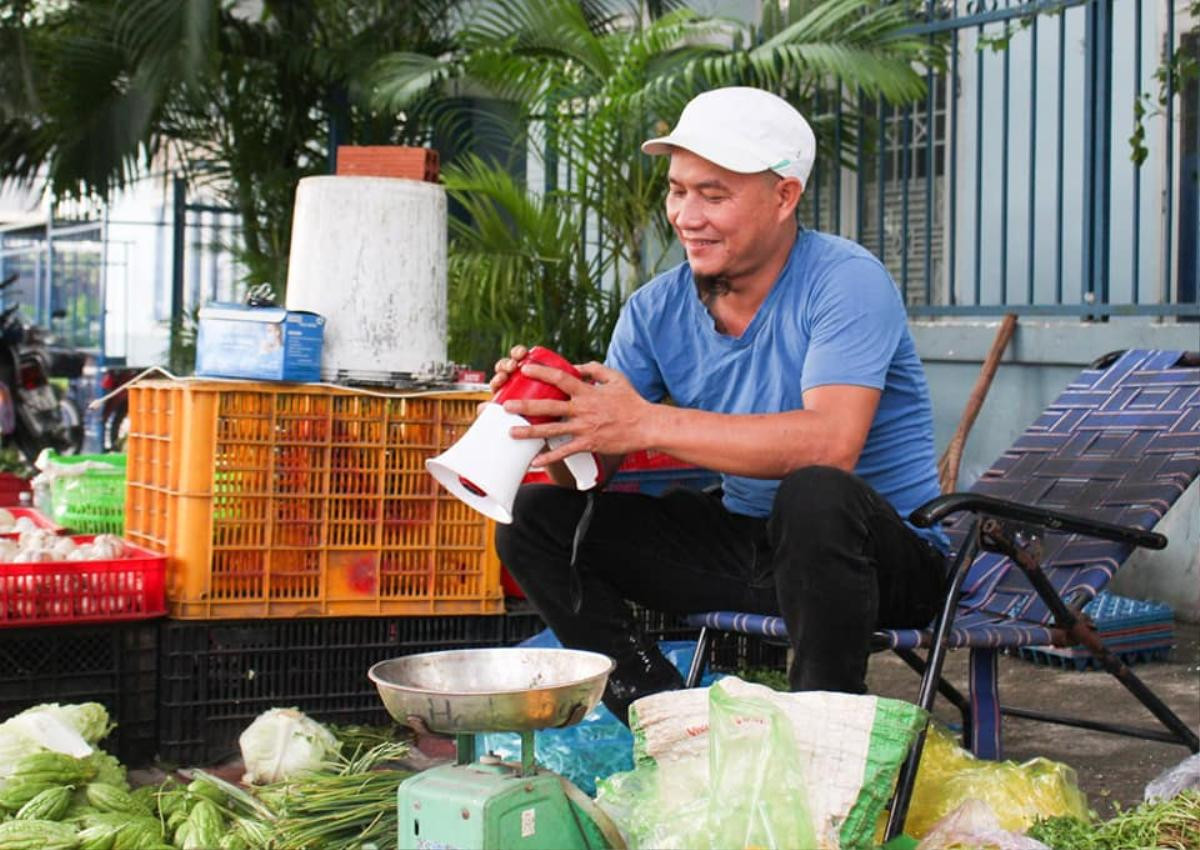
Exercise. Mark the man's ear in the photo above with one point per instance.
(789, 190)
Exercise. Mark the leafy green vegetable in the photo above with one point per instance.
(282, 742)
(772, 678)
(1169, 824)
(350, 807)
(108, 769)
(354, 737)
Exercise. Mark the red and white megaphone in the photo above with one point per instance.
(485, 467)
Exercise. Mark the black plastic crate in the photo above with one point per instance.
(728, 651)
(731, 652)
(112, 664)
(662, 626)
(521, 621)
(216, 677)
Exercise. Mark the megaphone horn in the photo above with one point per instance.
(486, 466)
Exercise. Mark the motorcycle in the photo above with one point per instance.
(34, 415)
(114, 410)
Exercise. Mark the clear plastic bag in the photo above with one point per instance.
(596, 747)
(659, 806)
(1018, 794)
(756, 793)
(748, 790)
(973, 825)
(1174, 780)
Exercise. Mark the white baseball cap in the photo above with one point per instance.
(743, 129)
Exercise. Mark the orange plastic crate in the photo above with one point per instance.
(294, 500)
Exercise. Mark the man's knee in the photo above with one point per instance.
(816, 490)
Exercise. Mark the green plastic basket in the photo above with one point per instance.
(92, 502)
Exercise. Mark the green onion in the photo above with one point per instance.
(1167, 824)
(349, 809)
(354, 737)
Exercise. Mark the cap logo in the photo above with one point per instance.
(783, 163)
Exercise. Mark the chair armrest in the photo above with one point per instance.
(937, 509)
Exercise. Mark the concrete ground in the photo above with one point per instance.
(1111, 768)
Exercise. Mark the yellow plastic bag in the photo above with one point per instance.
(1019, 794)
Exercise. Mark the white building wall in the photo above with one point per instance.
(138, 273)
(137, 254)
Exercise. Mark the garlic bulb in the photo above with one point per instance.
(113, 542)
(63, 547)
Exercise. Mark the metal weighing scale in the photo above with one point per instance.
(483, 803)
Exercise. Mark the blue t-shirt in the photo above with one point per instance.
(834, 316)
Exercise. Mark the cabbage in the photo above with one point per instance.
(33, 732)
(69, 729)
(89, 719)
(13, 746)
(282, 742)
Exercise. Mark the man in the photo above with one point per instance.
(787, 359)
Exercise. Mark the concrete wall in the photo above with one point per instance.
(1172, 575)
(1041, 359)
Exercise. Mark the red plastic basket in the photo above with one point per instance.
(39, 520)
(651, 459)
(62, 592)
(11, 488)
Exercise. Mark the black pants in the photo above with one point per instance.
(834, 559)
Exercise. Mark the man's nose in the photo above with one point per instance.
(689, 213)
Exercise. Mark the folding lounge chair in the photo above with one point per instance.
(1038, 536)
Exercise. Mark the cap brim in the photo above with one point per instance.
(737, 160)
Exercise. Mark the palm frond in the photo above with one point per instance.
(18, 87)
(24, 148)
(854, 42)
(516, 77)
(168, 36)
(398, 79)
(864, 68)
(555, 29)
(519, 267)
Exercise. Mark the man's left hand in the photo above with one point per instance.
(603, 413)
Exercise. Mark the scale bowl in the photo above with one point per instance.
(493, 690)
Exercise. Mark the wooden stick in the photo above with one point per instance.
(948, 465)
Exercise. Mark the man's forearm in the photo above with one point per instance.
(768, 445)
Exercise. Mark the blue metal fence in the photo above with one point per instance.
(1028, 179)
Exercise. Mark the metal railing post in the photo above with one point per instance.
(1097, 150)
(178, 249)
(45, 295)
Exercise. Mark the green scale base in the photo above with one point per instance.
(488, 805)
